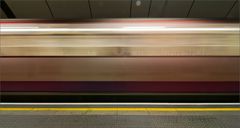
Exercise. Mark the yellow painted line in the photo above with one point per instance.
(120, 109)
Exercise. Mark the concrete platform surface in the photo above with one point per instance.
(119, 116)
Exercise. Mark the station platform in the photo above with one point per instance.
(124, 115)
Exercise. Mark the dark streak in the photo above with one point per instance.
(7, 10)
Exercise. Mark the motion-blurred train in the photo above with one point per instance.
(135, 60)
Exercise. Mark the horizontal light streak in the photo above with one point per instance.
(119, 109)
(141, 103)
(124, 29)
(30, 27)
(116, 46)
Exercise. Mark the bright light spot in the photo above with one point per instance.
(138, 2)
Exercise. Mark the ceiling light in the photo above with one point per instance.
(138, 2)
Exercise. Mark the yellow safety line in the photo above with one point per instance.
(119, 109)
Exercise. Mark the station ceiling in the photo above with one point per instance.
(91, 9)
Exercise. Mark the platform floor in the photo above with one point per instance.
(119, 116)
